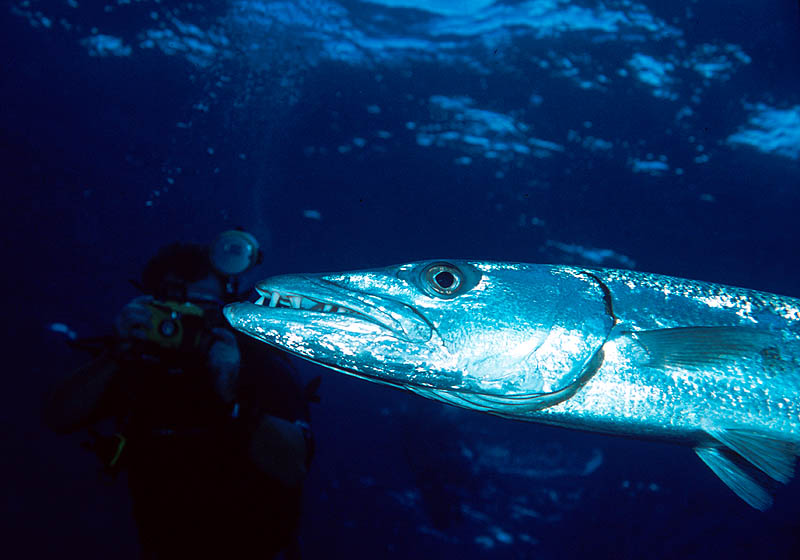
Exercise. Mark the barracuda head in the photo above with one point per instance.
(445, 327)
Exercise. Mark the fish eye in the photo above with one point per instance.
(443, 278)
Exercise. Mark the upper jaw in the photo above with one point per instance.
(314, 295)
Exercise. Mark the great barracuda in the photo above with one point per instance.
(604, 350)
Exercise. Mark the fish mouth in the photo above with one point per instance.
(288, 300)
(291, 300)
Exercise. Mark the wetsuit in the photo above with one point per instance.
(196, 491)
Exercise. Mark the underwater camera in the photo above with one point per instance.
(176, 325)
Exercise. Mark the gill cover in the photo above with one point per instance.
(521, 335)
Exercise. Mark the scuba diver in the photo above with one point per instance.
(211, 428)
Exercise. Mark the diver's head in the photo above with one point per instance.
(193, 272)
(182, 272)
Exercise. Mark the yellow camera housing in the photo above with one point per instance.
(168, 324)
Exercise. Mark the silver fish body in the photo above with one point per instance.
(597, 349)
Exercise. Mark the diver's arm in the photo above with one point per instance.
(223, 361)
(276, 446)
(74, 403)
(279, 448)
(77, 402)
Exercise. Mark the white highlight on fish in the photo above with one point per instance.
(604, 350)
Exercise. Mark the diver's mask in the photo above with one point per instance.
(232, 253)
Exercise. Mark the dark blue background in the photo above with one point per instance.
(85, 141)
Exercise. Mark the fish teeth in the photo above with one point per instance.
(276, 299)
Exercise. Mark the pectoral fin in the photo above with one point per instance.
(744, 485)
(697, 347)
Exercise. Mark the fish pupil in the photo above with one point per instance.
(445, 279)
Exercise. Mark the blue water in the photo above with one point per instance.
(662, 136)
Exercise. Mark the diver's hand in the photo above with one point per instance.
(223, 361)
(278, 448)
(134, 319)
